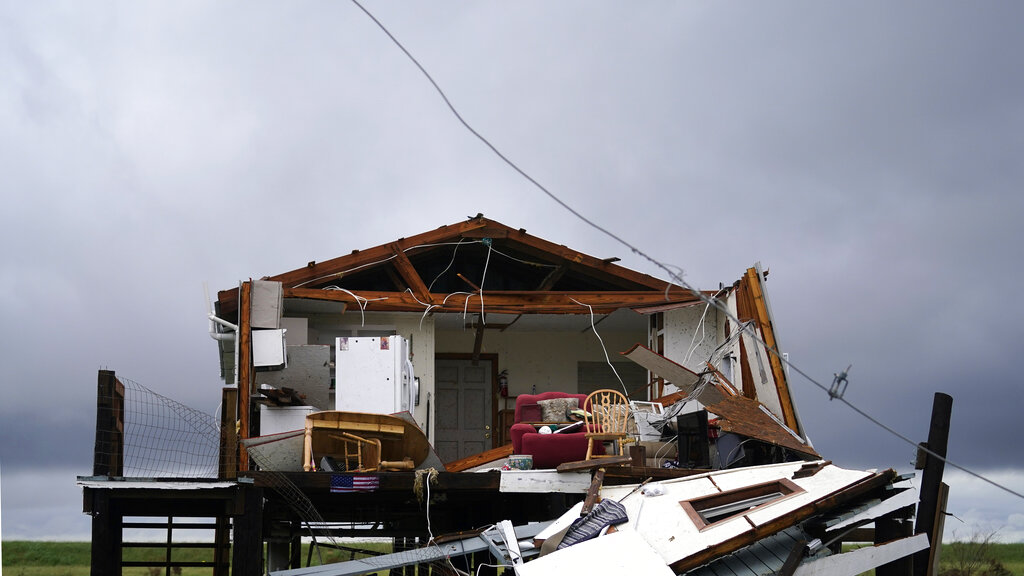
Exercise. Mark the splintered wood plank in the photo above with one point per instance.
(479, 459)
(592, 492)
(594, 463)
(744, 416)
(680, 376)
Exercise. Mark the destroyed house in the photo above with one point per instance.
(394, 392)
(489, 313)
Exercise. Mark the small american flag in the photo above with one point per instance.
(354, 483)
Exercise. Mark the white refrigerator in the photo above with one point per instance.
(373, 374)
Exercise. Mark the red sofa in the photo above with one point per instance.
(548, 450)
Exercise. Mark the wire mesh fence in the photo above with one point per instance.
(140, 433)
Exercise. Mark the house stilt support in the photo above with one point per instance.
(930, 509)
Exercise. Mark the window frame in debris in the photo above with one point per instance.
(709, 511)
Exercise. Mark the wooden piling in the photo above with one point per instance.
(928, 509)
(108, 451)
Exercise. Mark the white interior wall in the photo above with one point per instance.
(689, 343)
(547, 359)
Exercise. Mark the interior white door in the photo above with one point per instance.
(463, 413)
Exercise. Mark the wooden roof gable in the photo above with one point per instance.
(511, 270)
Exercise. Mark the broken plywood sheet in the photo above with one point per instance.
(680, 376)
(741, 415)
(678, 535)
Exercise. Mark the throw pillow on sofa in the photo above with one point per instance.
(553, 410)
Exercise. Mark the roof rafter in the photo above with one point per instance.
(409, 274)
(498, 301)
(601, 269)
(395, 257)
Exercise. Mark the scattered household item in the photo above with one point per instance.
(520, 462)
(694, 444)
(648, 417)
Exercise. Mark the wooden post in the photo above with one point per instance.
(222, 547)
(928, 507)
(106, 533)
(170, 546)
(245, 372)
(938, 526)
(228, 468)
(247, 551)
(108, 451)
(638, 454)
(296, 550)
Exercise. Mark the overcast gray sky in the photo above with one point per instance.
(869, 154)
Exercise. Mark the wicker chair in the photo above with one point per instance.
(607, 420)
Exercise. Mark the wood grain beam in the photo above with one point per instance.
(584, 264)
(360, 258)
(409, 274)
(478, 227)
(554, 276)
(506, 302)
(767, 330)
(245, 369)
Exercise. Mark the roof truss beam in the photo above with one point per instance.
(409, 274)
(497, 302)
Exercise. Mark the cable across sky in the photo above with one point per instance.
(675, 277)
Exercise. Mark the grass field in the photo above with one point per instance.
(72, 558)
(24, 558)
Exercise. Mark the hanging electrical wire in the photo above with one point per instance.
(446, 268)
(703, 335)
(360, 301)
(675, 277)
(593, 326)
(483, 278)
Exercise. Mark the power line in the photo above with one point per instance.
(675, 277)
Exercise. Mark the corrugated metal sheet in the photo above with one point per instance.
(763, 558)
